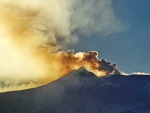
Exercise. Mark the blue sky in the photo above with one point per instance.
(129, 49)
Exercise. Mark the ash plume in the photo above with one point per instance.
(33, 35)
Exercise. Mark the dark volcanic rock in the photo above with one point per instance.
(82, 92)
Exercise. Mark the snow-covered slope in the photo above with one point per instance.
(82, 92)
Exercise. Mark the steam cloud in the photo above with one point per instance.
(34, 33)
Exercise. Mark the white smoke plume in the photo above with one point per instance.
(95, 16)
(34, 33)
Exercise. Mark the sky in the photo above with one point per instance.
(128, 48)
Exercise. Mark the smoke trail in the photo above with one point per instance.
(32, 37)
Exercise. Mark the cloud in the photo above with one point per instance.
(140, 73)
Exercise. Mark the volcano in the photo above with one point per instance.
(82, 92)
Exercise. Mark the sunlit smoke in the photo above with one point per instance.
(32, 38)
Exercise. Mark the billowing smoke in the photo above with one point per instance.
(34, 33)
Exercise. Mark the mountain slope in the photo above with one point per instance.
(82, 92)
